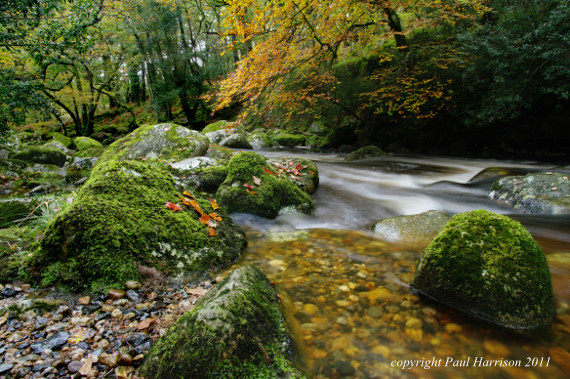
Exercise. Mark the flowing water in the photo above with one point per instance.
(345, 293)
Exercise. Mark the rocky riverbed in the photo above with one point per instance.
(45, 334)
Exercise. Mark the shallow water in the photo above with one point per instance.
(345, 293)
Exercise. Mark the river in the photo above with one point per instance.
(344, 292)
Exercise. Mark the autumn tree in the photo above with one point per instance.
(296, 43)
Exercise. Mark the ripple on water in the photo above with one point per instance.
(346, 302)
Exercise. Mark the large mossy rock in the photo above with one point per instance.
(169, 142)
(489, 266)
(418, 230)
(119, 220)
(235, 331)
(41, 155)
(537, 193)
(271, 194)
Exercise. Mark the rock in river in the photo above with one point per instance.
(538, 193)
(489, 266)
(418, 230)
(254, 186)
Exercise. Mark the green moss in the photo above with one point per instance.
(210, 178)
(489, 266)
(118, 220)
(66, 141)
(90, 152)
(266, 199)
(86, 143)
(218, 125)
(14, 253)
(365, 152)
(289, 140)
(235, 331)
(163, 141)
(41, 155)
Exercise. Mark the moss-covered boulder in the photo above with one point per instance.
(365, 152)
(64, 140)
(53, 144)
(259, 138)
(235, 331)
(253, 187)
(41, 155)
(489, 266)
(218, 125)
(217, 135)
(417, 230)
(123, 217)
(236, 141)
(303, 172)
(537, 193)
(289, 140)
(168, 142)
(86, 143)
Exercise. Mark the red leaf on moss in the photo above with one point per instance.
(175, 207)
(248, 186)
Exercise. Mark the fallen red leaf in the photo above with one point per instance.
(175, 207)
(267, 170)
(246, 185)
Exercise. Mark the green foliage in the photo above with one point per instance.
(516, 61)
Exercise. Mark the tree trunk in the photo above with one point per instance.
(396, 26)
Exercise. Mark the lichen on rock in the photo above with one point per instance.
(489, 266)
(169, 142)
(535, 193)
(235, 331)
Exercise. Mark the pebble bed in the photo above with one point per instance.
(59, 335)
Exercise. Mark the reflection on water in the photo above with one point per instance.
(348, 307)
(345, 294)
